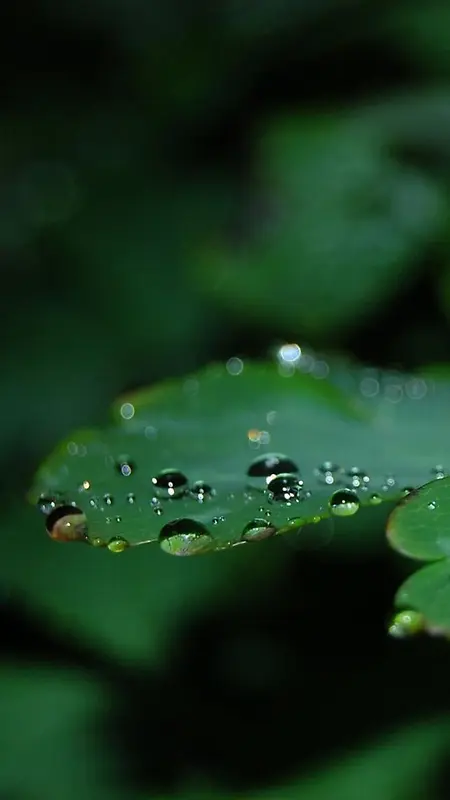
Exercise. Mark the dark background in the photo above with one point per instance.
(180, 183)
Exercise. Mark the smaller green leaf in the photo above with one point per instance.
(419, 526)
(428, 592)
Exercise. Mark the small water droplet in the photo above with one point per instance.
(407, 490)
(185, 537)
(328, 473)
(344, 503)
(235, 366)
(158, 511)
(170, 483)
(125, 467)
(438, 472)
(271, 464)
(285, 488)
(127, 411)
(47, 503)
(117, 544)
(358, 477)
(218, 520)
(432, 505)
(201, 491)
(131, 498)
(97, 541)
(108, 499)
(375, 499)
(390, 481)
(257, 529)
(67, 524)
(84, 486)
(93, 502)
(118, 519)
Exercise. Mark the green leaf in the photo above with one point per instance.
(222, 428)
(337, 206)
(428, 591)
(396, 767)
(419, 526)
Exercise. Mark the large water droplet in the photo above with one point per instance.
(271, 464)
(285, 488)
(125, 467)
(257, 529)
(117, 544)
(328, 473)
(170, 483)
(67, 524)
(201, 491)
(344, 503)
(185, 537)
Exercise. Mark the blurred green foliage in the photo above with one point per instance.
(180, 183)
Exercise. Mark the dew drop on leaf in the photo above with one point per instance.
(375, 499)
(125, 467)
(170, 483)
(117, 544)
(285, 488)
(67, 524)
(185, 537)
(201, 491)
(271, 464)
(108, 499)
(406, 623)
(257, 529)
(46, 504)
(438, 472)
(358, 477)
(344, 503)
(131, 498)
(328, 473)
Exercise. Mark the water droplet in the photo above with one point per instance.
(93, 502)
(235, 366)
(201, 491)
(67, 524)
(108, 499)
(118, 519)
(407, 490)
(270, 465)
(328, 473)
(438, 472)
(390, 481)
(84, 486)
(358, 477)
(406, 623)
(432, 505)
(375, 499)
(170, 483)
(289, 353)
(127, 410)
(117, 544)
(47, 503)
(257, 529)
(185, 537)
(218, 520)
(285, 488)
(125, 467)
(131, 498)
(158, 511)
(344, 503)
(97, 541)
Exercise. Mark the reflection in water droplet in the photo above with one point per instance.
(109, 499)
(67, 524)
(328, 473)
(125, 467)
(117, 544)
(185, 537)
(344, 503)
(201, 491)
(131, 498)
(432, 505)
(375, 499)
(358, 477)
(285, 488)
(257, 529)
(438, 472)
(170, 483)
(270, 465)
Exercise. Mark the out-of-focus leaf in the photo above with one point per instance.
(344, 224)
(50, 738)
